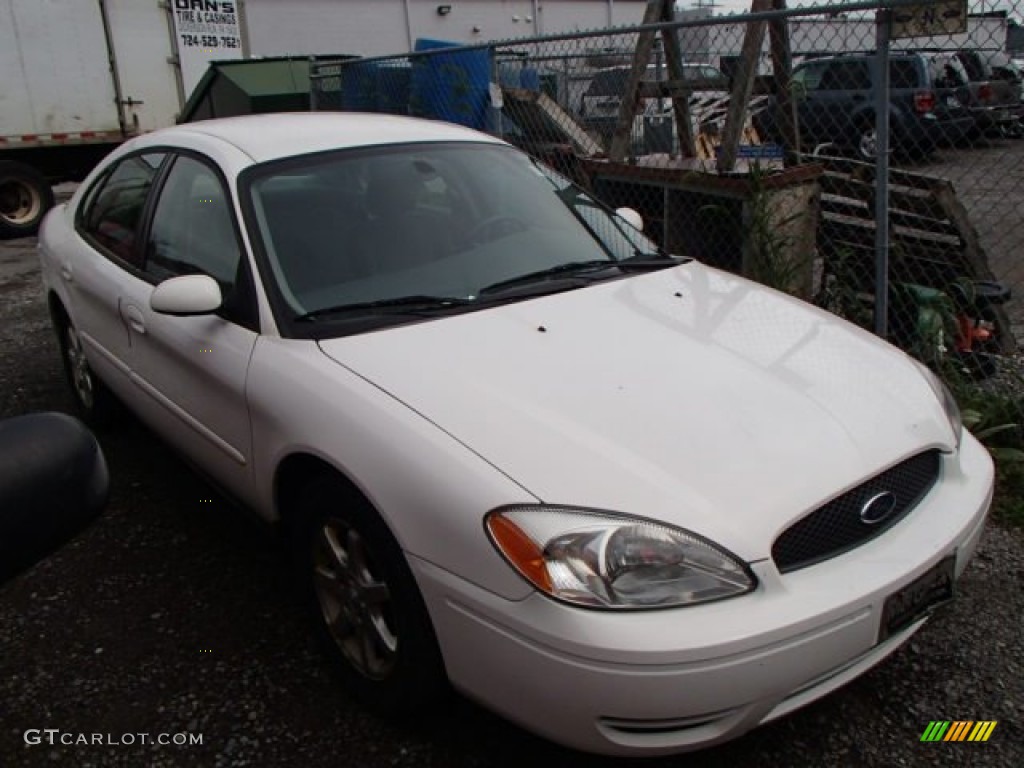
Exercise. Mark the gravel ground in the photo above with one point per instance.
(171, 615)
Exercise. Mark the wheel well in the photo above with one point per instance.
(58, 314)
(866, 119)
(298, 470)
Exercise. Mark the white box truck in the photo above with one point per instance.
(77, 77)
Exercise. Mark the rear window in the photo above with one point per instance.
(612, 82)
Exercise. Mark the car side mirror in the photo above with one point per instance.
(632, 217)
(186, 295)
(53, 483)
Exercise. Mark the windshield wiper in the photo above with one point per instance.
(406, 305)
(651, 260)
(562, 276)
(550, 274)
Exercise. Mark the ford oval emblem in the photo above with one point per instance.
(878, 508)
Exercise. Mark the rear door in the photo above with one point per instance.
(142, 51)
(104, 257)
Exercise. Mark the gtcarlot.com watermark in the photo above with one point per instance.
(55, 736)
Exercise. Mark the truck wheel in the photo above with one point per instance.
(25, 197)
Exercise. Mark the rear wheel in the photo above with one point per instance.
(364, 599)
(93, 401)
(25, 197)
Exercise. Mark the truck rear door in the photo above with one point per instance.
(53, 63)
(140, 38)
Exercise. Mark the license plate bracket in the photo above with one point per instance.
(921, 596)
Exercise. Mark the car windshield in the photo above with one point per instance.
(392, 229)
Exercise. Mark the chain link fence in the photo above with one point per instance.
(836, 153)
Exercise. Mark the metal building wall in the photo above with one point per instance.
(376, 27)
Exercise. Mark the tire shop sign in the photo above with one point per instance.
(205, 31)
(944, 17)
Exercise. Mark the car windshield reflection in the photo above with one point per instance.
(371, 227)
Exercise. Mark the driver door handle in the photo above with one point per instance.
(133, 316)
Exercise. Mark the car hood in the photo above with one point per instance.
(686, 395)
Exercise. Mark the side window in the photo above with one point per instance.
(113, 211)
(846, 76)
(192, 231)
(808, 78)
(904, 73)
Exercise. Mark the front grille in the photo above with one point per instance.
(837, 526)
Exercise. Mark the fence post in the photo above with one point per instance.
(742, 88)
(782, 70)
(313, 84)
(494, 96)
(882, 173)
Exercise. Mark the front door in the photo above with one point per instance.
(192, 370)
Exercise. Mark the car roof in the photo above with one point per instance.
(273, 136)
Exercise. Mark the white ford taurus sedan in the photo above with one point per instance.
(635, 504)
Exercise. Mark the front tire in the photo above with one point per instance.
(25, 197)
(363, 597)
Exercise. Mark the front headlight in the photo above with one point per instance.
(604, 560)
(945, 397)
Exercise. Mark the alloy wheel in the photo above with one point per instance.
(354, 601)
(78, 368)
(867, 145)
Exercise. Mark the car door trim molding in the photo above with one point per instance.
(105, 353)
(183, 415)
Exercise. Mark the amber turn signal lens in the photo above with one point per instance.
(520, 550)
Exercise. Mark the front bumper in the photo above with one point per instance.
(664, 681)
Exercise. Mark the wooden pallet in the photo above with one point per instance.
(932, 241)
(540, 116)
